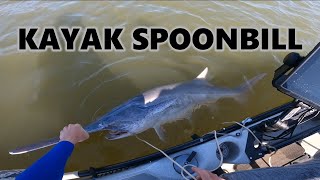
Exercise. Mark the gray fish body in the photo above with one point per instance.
(165, 104)
(156, 107)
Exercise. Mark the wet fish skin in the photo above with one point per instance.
(156, 107)
(166, 104)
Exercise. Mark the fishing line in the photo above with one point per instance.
(219, 149)
(249, 130)
(291, 130)
(257, 139)
(269, 161)
(300, 120)
(83, 102)
(220, 153)
(183, 168)
(167, 156)
(97, 111)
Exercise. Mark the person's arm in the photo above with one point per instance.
(51, 165)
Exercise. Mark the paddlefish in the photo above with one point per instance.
(156, 107)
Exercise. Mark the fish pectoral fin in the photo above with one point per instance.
(160, 132)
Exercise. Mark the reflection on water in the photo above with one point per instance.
(42, 92)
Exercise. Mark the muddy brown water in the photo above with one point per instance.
(42, 92)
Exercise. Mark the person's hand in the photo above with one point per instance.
(73, 133)
(205, 175)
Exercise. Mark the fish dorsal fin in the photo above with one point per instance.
(203, 74)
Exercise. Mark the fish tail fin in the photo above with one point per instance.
(246, 87)
(36, 146)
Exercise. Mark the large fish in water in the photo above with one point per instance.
(156, 107)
